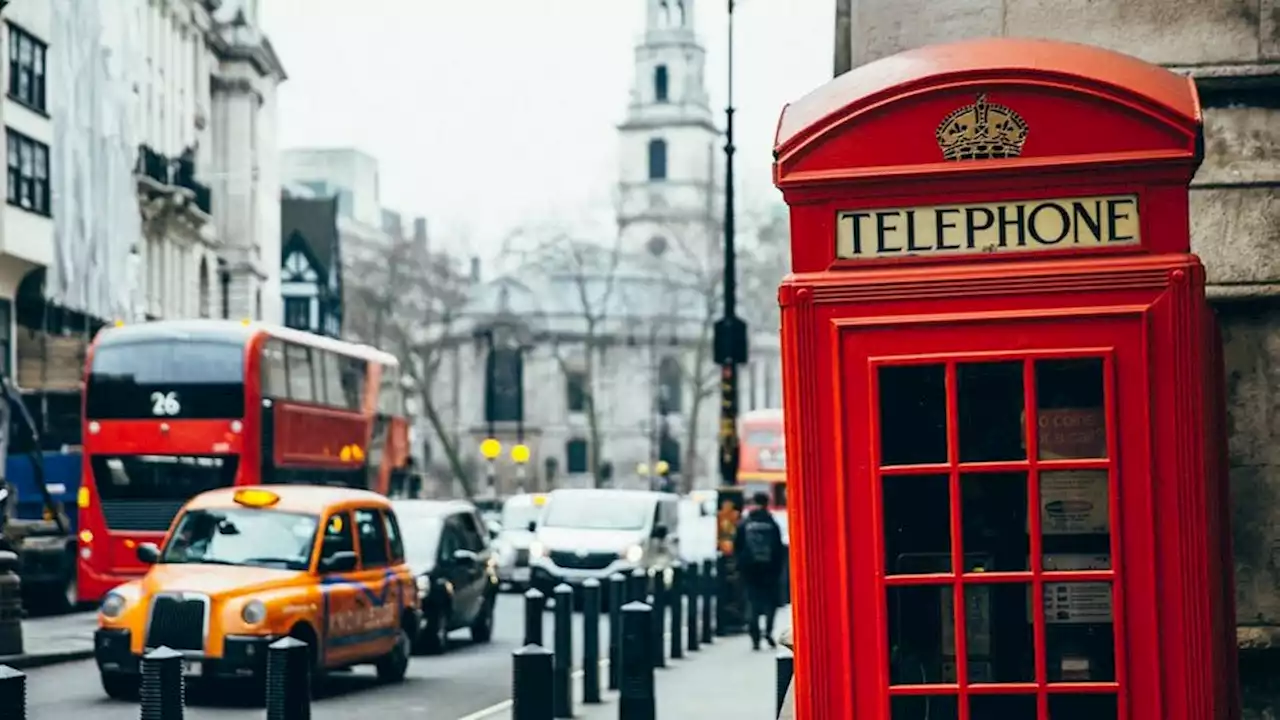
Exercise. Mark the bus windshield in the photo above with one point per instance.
(166, 378)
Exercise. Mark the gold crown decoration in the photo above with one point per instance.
(982, 131)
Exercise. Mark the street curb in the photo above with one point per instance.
(28, 661)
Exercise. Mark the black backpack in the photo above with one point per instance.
(758, 536)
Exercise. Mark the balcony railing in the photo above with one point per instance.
(153, 165)
(179, 172)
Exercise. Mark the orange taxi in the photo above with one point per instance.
(243, 567)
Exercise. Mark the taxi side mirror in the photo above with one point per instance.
(148, 553)
(533, 525)
(341, 561)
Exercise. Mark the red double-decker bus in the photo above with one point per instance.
(762, 459)
(174, 408)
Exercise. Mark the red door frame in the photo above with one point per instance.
(1118, 340)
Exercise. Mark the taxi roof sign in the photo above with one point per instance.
(540, 499)
(253, 497)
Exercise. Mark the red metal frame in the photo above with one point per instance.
(1036, 576)
(1101, 123)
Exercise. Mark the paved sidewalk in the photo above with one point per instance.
(723, 680)
(54, 639)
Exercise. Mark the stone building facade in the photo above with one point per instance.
(1232, 49)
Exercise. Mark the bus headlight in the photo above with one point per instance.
(536, 550)
(634, 554)
(112, 605)
(253, 612)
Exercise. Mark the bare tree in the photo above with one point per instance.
(406, 302)
(590, 271)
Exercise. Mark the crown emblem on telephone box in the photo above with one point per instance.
(982, 131)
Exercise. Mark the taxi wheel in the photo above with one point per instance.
(393, 666)
(435, 639)
(119, 686)
(482, 627)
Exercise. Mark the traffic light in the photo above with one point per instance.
(490, 448)
(520, 453)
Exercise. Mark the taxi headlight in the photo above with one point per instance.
(634, 554)
(113, 605)
(424, 585)
(253, 612)
(536, 550)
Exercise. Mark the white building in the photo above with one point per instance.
(26, 225)
(644, 356)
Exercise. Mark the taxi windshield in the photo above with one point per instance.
(259, 538)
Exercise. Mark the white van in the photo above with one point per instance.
(594, 533)
(512, 541)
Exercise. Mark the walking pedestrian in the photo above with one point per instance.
(759, 553)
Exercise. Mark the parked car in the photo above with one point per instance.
(447, 548)
(512, 543)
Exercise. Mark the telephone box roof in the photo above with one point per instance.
(972, 59)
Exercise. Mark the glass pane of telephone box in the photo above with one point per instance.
(993, 517)
(1072, 706)
(1002, 707)
(919, 636)
(913, 414)
(924, 707)
(1079, 637)
(917, 524)
(990, 407)
(1071, 409)
(999, 634)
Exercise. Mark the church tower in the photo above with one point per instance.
(668, 199)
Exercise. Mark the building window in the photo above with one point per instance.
(660, 81)
(297, 313)
(657, 159)
(575, 455)
(28, 173)
(504, 399)
(670, 385)
(6, 338)
(575, 385)
(26, 68)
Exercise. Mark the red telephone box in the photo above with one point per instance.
(1003, 398)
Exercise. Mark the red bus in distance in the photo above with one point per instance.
(762, 459)
(174, 408)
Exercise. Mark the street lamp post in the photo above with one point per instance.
(730, 352)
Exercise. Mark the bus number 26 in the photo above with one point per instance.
(165, 403)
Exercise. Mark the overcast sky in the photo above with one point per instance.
(489, 114)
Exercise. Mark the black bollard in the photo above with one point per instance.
(617, 598)
(638, 585)
(676, 600)
(562, 690)
(708, 598)
(288, 680)
(659, 619)
(692, 586)
(636, 699)
(10, 604)
(162, 685)
(13, 694)
(535, 604)
(531, 671)
(591, 641)
(786, 666)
